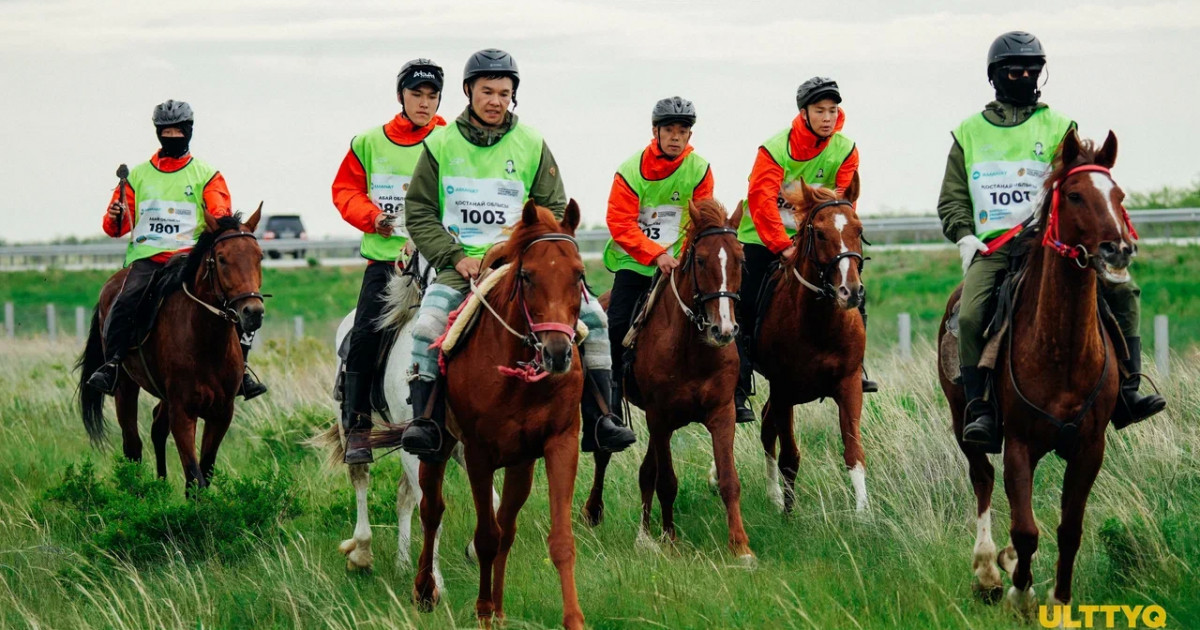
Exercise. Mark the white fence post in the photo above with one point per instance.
(10, 320)
(51, 323)
(298, 321)
(904, 321)
(1162, 346)
(80, 323)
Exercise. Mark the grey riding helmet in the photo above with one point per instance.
(172, 113)
(815, 89)
(673, 110)
(491, 61)
(419, 71)
(1015, 45)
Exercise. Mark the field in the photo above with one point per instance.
(100, 546)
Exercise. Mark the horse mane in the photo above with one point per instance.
(512, 249)
(182, 268)
(710, 213)
(820, 195)
(1058, 170)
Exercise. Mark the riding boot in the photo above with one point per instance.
(426, 434)
(602, 431)
(104, 378)
(1133, 407)
(868, 386)
(251, 387)
(981, 427)
(356, 417)
(741, 395)
(116, 339)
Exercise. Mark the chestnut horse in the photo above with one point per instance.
(508, 422)
(1056, 373)
(811, 338)
(191, 359)
(686, 370)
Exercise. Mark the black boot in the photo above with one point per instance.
(105, 376)
(356, 417)
(980, 427)
(426, 435)
(741, 395)
(251, 387)
(602, 431)
(1133, 407)
(868, 386)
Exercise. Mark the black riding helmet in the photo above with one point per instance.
(419, 71)
(815, 89)
(673, 110)
(491, 62)
(1014, 45)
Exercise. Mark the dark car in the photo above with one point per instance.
(283, 226)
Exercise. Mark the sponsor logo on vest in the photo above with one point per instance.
(457, 160)
(1106, 616)
(509, 167)
(1038, 149)
(975, 175)
(820, 173)
(140, 239)
(405, 187)
(188, 191)
(505, 191)
(170, 210)
(449, 190)
(998, 173)
(1021, 173)
(675, 196)
(983, 217)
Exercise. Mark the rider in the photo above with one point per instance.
(480, 158)
(176, 190)
(1011, 144)
(812, 150)
(647, 217)
(369, 192)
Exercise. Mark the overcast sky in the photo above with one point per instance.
(280, 87)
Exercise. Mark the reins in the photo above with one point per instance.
(698, 316)
(809, 252)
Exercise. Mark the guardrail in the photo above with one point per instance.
(1174, 223)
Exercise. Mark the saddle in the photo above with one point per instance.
(165, 281)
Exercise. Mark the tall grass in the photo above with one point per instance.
(905, 565)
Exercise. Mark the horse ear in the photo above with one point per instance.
(1108, 153)
(210, 222)
(1069, 149)
(570, 220)
(852, 191)
(798, 194)
(736, 219)
(529, 214)
(693, 213)
(252, 222)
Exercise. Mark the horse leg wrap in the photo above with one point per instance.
(431, 322)
(597, 353)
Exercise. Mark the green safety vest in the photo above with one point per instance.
(389, 168)
(662, 208)
(481, 190)
(821, 171)
(1006, 166)
(169, 211)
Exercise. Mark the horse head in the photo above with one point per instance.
(713, 261)
(828, 241)
(1087, 220)
(229, 260)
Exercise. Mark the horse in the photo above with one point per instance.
(1054, 383)
(191, 359)
(508, 410)
(811, 339)
(686, 370)
(402, 297)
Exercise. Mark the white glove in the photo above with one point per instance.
(967, 247)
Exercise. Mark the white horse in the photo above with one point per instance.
(402, 297)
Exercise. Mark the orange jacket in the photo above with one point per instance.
(216, 200)
(623, 203)
(766, 179)
(351, 194)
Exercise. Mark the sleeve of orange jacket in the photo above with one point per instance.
(351, 197)
(846, 171)
(622, 219)
(110, 224)
(763, 200)
(217, 201)
(704, 190)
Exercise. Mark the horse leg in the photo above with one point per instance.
(1077, 485)
(214, 433)
(593, 510)
(518, 480)
(457, 453)
(159, 430)
(1018, 485)
(983, 479)
(849, 401)
(487, 536)
(647, 476)
(666, 483)
(425, 589)
(768, 434)
(357, 549)
(183, 429)
(780, 414)
(126, 399)
(721, 427)
(408, 495)
(562, 464)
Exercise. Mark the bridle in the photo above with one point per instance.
(809, 252)
(1050, 238)
(225, 310)
(698, 316)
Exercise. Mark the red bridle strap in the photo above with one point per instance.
(1050, 238)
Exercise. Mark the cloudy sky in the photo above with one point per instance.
(280, 87)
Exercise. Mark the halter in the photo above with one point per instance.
(699, 317)
(826, 290)
(1050, 239)
(225, 311)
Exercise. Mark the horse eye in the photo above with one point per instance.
(701, 261)
(820, 236)
(1074, 197)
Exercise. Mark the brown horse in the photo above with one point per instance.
(686, 370)
(508, 422)
(191, 359)
(811, 338)
(1056, 375)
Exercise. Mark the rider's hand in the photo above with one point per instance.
(666, 262)
(787, 253)
(115, 209)
(383, 224)
(967, 246)
(409, 249)
(467, 267)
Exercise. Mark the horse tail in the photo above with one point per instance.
(331, 443)
(91, 401)
(387, 435)
(401, 299)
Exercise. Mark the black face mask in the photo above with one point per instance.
(1022, 91)
(175, 147)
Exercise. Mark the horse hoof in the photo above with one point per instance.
(426, 604)
(989, 595)
(747, 561)
(1024, 603)
(645, 543)
(347, 546)
(1007, 559)
(775, 494)
(593, 517)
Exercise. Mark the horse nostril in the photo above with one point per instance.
(1107, 248)
(736, 330)
(843, 293)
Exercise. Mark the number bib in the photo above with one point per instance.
(787, 212)
(387, 192)
(1004, 192)
(660, 223)
(481, 212)
(165, 225)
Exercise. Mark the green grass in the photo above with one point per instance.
(905, 565)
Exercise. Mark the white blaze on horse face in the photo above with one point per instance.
(839, 222)
(1104, 184)
(724, 304)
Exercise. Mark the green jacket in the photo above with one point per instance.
(954, 203)
(423, 216)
